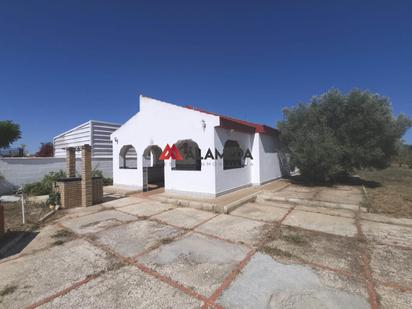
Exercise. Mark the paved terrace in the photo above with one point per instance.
(292, 247)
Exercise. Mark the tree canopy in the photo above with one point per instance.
(9, 133)
(336, 133)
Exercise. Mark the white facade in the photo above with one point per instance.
(95, 133)
(159, 123)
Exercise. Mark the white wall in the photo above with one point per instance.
(264, 167)
(255, 170)
(269, 164)
(227, 180)
(15, 172)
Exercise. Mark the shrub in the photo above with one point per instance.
(335, 134)
(44, 186)
(54, 199)
(107, 181)
(404, 155)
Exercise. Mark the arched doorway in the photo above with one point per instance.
(155, 177)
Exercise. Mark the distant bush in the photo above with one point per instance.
(107, 181)
(46, 150)
(404, 155)
(44, 186)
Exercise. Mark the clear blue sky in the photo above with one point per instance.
(65, 62)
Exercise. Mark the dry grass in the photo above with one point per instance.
(13, 217)
(393, 196)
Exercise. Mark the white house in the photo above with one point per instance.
(218, 154)
(93, 132)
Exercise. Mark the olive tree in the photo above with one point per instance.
(335, 134)
(9, 133)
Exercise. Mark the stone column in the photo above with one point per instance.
(87, 198)
(71, 162)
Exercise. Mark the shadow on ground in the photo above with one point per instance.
(14, 242)
(344, 180)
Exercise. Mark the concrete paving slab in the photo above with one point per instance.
(260, 212)
(122, 190)
(334, 195)
(147, 208)
(206, 204)
(291, 192)
(234, 228)
(390, 298)
(96, 222)
(327, 211)
(245, 194)
(184, 217)
(48, 236)
(391, 264)
(299, 198)
(80, 211)
(123, 202)
(292, 245)
(263, 201)
(33, 277)
(321, 223)
(311, 203)
(265, 283)
(385, 219)
(196, 261)
(387, 233)
(354, 285)
(127, 287)
(136, 237)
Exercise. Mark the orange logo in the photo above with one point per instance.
(171, 152)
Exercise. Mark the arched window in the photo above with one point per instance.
(127, 157)
(190, 152)
(152, 154)
(232, 155)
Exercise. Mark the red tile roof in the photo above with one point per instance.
(239, 125)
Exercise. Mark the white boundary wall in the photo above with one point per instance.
(15, 172)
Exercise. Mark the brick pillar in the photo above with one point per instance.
(87, 186)
(71, 162)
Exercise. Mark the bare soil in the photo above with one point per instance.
(392, 195)
(19, 235)
(13, 215)
(291, 244)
